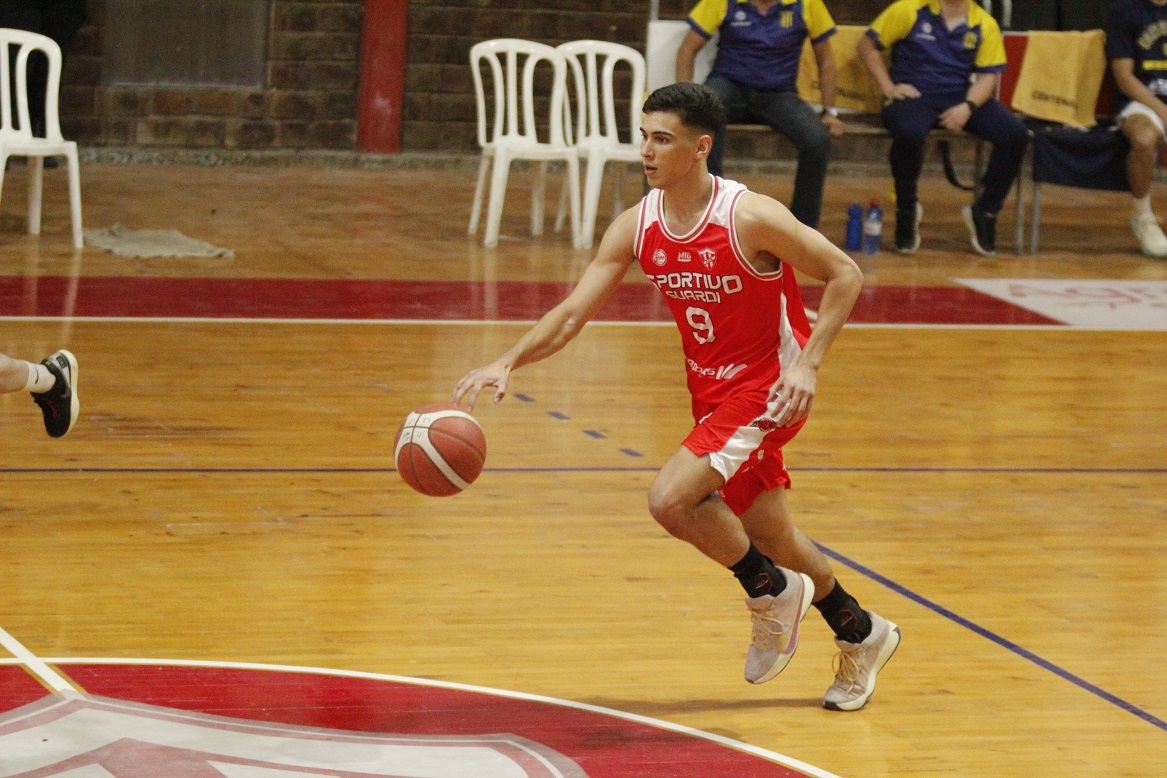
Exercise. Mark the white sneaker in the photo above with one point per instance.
(776, 621)
(1152, 241)
(857, 663)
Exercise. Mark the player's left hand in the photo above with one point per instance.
(793, 394)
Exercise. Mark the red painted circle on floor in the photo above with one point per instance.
(591, 742)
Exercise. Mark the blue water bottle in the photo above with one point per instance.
(873, 228)
(855, 226)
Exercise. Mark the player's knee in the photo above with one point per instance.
(668, 509)
(1145, 140)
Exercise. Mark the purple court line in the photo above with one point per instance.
(1009, 645)
(861, 569)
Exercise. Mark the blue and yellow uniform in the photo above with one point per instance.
(1137, 30)
(755, 74)
(758, 50)
(940, 62)
(929, 56)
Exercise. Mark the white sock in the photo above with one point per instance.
(39, 378)
(1141, 206)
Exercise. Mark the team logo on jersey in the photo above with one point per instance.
(970, 40)
(926, 28)
(739, 16)
(659, 258)
(708, 257)
(764, 424)
(684, 256)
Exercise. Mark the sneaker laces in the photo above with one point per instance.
(45, 402)
(766, 627)
(846, 666)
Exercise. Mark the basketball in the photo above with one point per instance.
(440, 449)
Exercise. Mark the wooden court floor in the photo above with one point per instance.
(228, 495)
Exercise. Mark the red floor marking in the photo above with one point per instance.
(18, 687)
(259, 298)
(604, 746)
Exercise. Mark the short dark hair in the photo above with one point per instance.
(696, 105)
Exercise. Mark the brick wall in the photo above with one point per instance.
(439, 111)
(309, 99)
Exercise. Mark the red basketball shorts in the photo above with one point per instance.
(745, 446)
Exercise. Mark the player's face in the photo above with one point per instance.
(670, 150)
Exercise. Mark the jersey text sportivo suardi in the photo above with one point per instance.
(739, 327)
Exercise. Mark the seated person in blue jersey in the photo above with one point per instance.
(1136, 37)
(755, 75)
(946, 57)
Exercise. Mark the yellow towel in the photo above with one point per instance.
(1060, 76)
(856, 89)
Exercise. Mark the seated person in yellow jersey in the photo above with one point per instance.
(946, 58)
(755, 75)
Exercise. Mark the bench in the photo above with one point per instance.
(857, 97)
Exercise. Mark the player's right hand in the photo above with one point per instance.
(476, 380)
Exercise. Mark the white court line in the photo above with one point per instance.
(25, 657)
(772, 756)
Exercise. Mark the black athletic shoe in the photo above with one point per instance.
(59, 404)
(982, 230)
(908, 229)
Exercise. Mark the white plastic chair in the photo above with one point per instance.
(663, 40)
(19, 141)
(513, 132)
(593, 67)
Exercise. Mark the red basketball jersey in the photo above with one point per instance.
(739, 327)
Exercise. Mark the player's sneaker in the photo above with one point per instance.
(1152, 241)
(857, 663)
(59, 404)
(908, 229)
(776, 621)
(982, 230)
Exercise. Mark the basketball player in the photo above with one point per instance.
(53, 384)
(724, 257)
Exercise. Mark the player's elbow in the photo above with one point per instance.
(847, 276)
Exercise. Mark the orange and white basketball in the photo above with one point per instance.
(440, 449)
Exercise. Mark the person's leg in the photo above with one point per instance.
(908, 122)
(737, 109)
(1000, 127)
(1145, 138)
(769, 526)
(790, 116)
(1144, 130)
(865, 639)
(682, 500)
(53, 384)
(14, 374)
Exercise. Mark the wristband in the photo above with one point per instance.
(971, 105)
